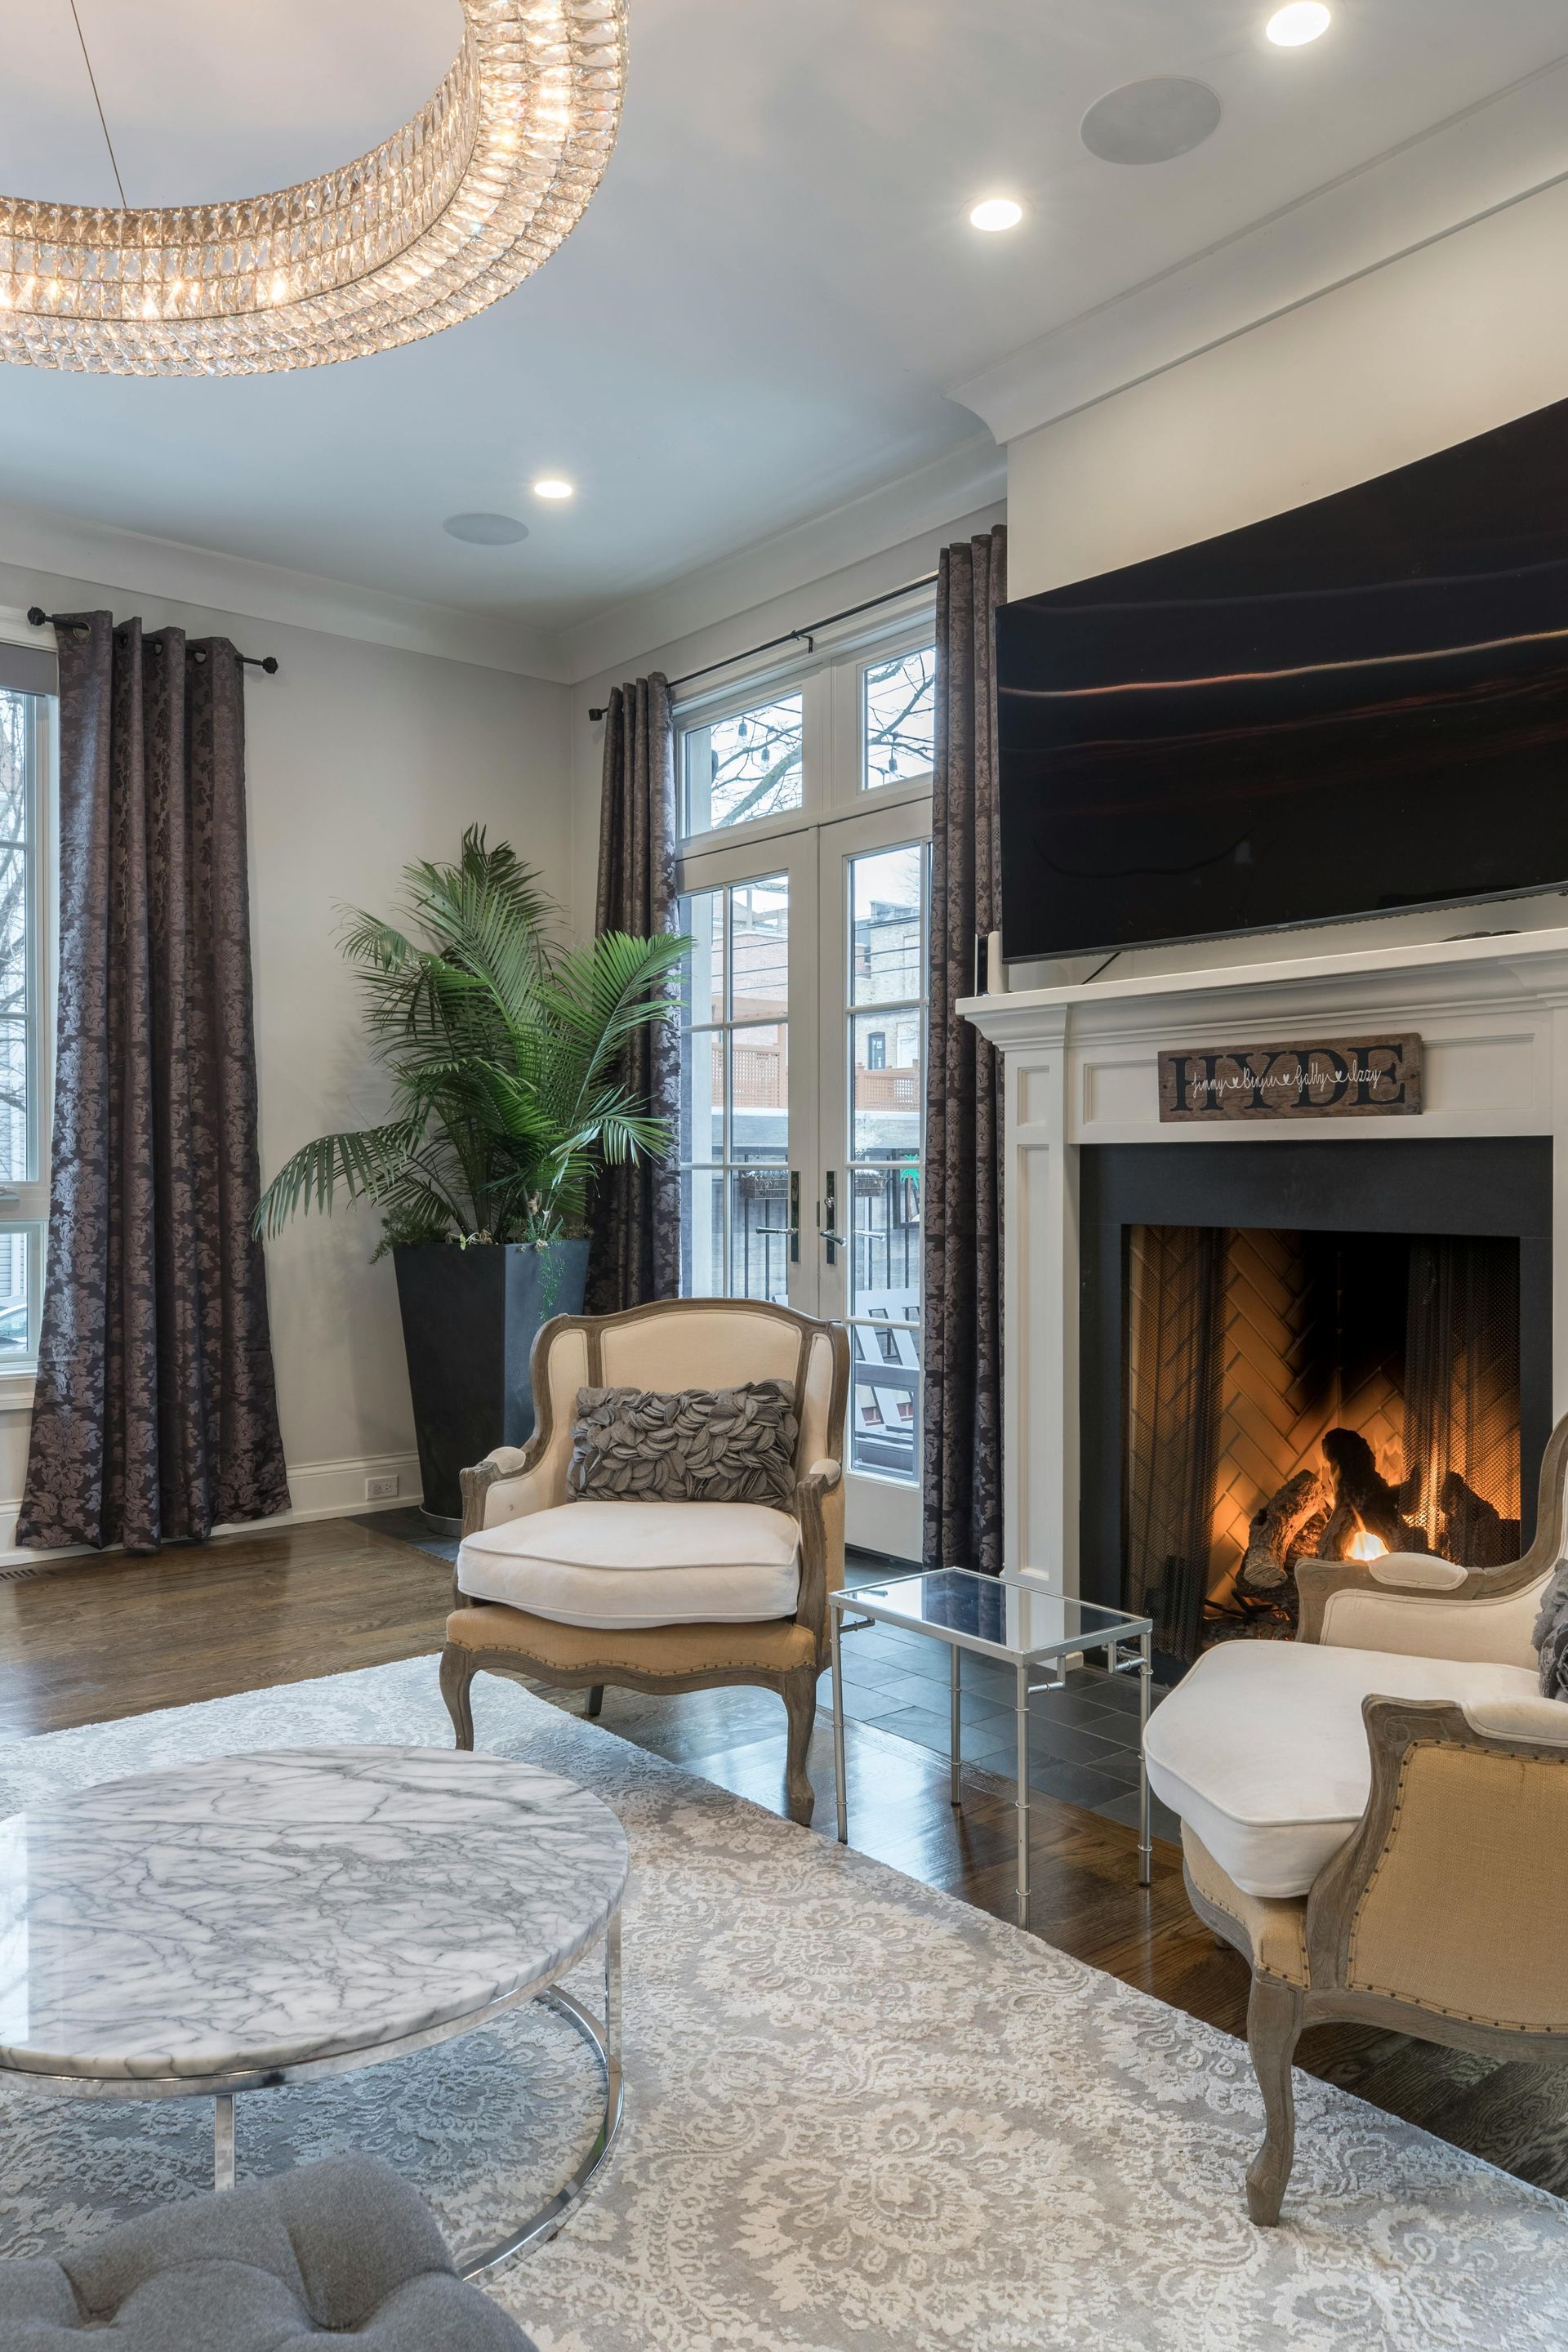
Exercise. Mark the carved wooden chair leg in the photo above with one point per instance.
(595, 1698)
(798, 1691)
(456, 1675)
(1273, 2026)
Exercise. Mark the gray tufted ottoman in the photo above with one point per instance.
(343, 2249)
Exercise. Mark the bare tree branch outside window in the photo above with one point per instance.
(901, 718)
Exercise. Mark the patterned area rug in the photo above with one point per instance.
(862, 2117)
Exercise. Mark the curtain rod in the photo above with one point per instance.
(791, 637)
(40, 619)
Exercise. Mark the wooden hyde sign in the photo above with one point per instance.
(1330, 1077)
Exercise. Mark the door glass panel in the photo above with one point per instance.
(702, 1233)
(734, 1093)
(736, 770)
(898, 719)
(887, 1022)
(888, 1109)
(759, 1233)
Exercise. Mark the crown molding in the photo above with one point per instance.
(965, 479)
(97, 556)
(1494, 155)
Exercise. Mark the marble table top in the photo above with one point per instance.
(254, 1915)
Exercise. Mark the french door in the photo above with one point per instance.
(803, 1090)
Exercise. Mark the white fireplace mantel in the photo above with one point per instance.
(1080, 1066)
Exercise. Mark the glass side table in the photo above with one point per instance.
(1019, 1622)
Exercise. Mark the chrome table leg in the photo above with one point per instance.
(223, 2140)
(834, 1620)
(953, 1723)
(1145, 1847)
(1022, 1728)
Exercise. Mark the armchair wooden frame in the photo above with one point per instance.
(787, 1656)
(1445, 1916)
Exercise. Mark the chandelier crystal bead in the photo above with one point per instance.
(439, 221)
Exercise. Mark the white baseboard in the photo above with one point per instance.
(320, 1490)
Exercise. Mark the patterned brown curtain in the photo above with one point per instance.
(635, 1250)
(155, 1417)
(962, 1189)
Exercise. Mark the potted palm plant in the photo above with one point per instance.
(505, 1052)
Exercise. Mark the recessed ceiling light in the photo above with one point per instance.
(1151, 122)
(996, 211)
(486, 529)
(1301, 21)
(552, 485)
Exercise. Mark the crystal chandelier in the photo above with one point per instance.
(437, 222)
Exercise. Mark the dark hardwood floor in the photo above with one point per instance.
(87, 1641)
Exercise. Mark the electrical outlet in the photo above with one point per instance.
(380, 1490)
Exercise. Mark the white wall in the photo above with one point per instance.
(360, 757)
(1444, 344)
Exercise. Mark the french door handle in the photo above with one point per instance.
(827, 1209)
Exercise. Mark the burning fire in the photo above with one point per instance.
(1363, 1546)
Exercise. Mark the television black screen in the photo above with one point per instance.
(1355, 707)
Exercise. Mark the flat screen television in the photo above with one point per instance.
(1355, 707)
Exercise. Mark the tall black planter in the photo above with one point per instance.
(469, 1321)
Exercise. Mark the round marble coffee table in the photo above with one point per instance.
(254, 1920)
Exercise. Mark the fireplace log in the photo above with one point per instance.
(1284, 1529)
(1364, 1499)
(1474, 1533)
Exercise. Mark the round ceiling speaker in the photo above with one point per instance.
(1151, 122)
(486, 529)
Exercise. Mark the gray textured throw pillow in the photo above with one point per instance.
(691, 1445)
(1551, 1634)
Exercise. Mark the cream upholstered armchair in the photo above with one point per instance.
(1376, 1815)
(653, 1595)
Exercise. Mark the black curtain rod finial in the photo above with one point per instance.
(40, 620)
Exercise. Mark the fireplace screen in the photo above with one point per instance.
(1312, 1396)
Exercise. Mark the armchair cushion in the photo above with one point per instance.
(626, 1565)
(1262, 1752)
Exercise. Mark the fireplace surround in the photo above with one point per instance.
(1087, 1161)
(1243, 1306)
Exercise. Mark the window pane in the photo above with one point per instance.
(13, 766)
(885, 1409)
(759, 1091)
(888, 960)
(759, 923)
(885, 1262)
(15, 1269)
(701, 1129)
(702, 1233)
(888, 1118)
(899, 719)
(701, 918)
(759, 1235)
(14, 1101)
(737, 770)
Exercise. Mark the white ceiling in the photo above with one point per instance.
(765, 309)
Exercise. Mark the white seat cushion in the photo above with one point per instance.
(622, 1565)
(1262, 1751)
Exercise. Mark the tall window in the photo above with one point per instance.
(734, 1094)
(24, 1204)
